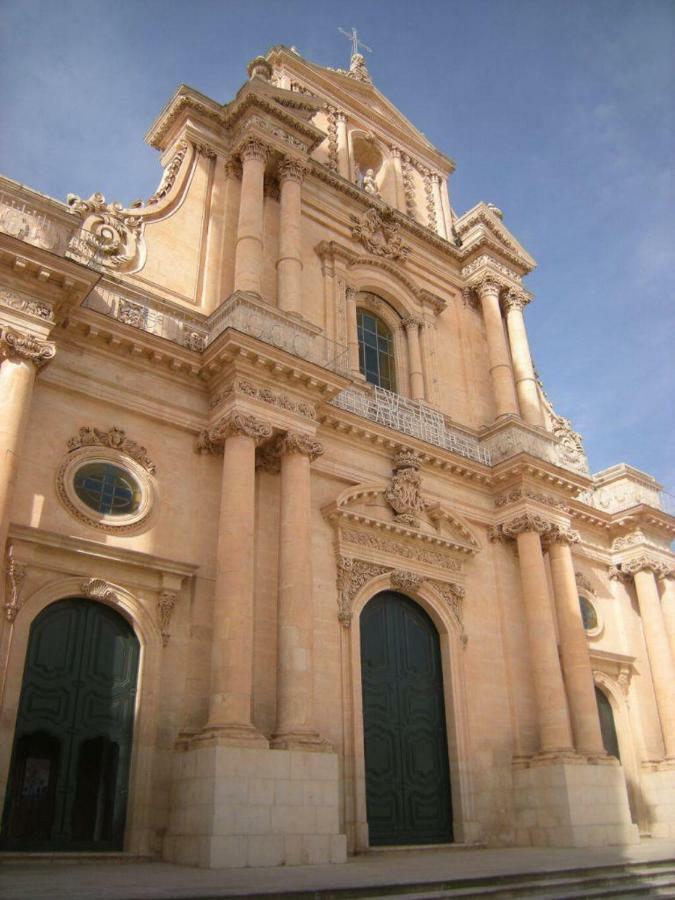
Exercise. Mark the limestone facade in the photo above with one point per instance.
(207, 341)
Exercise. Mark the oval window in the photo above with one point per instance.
(588, 614)
(107, 489)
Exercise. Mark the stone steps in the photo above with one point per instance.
(654, 879)
(7, 857)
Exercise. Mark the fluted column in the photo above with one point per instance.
(248, 264)
(552, 717)
(289, 263)
(644, 571)
(342, 145)
(295, 622)
(352, 330)
(498, 353)
(232, 656)
(576, 662)
(22, 355)
(412, 330)
(523, 370)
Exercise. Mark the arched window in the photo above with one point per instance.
(376, 350)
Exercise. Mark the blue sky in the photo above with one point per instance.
(561, 113)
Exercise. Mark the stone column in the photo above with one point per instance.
(249, 253)
(233, 172)
(412, 330)
(668, 607)
(526, 384)
(289, 263)
(22, 355)
(438, 202)
(428, 351)
(342, 145)
(555, 736)
(398, 178)
(498, 354)
(644, 571)
(232, 655)
(576, 662)
(295, 622)
(352, 330)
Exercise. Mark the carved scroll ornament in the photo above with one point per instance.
(111, 235)
(17, 345)
(212, 440)
(379, 234)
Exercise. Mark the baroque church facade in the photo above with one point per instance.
(298, 557)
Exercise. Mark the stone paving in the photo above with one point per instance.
(117, 880)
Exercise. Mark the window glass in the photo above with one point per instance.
(588, 614)
(376, 350)
(107, 488)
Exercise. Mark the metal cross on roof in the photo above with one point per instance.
(353, 36)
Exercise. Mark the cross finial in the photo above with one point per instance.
(353, 36)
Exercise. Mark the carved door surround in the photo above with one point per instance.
(426, 562)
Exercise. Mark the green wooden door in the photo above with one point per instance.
(407, 774)
(69, 775)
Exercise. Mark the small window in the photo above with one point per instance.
(376, 350)
(588, 614)
(107, 489)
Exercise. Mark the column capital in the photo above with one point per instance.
(19, 345)
(232, 167)
(395, 151)
(409, 322)
(303, 444)
(646, 564)
(561, 534)
(253, 148)
(213, 439)
(487, 285)
(516, 299)
(292, 169)
(351, 292)
(519, 525)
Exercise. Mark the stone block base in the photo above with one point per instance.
(572, 804)
(658, 790)
(236, 806)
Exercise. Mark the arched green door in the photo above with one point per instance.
(407, 774)
(69, 775)
(607, 727)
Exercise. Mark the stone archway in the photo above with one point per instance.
(69, 775)
(408, 794)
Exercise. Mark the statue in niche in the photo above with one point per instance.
(369, 183)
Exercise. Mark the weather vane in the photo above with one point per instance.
(354, 38)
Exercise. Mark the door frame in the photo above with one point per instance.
(137, 833)
(465, 826)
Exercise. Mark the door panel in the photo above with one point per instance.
(72, 750)
(407, 774)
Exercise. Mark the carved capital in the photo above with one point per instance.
(487, 286)
(352, 574)
(232, 168)
(292, 169)
(17, 345)
(515, 299)
(406, 581)
(410, 323)
(646, 564)
(253, 149)
(559, 534)
(212, 440)
(296, 442)
(520, 525)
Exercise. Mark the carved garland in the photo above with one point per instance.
(409, 186)
(15, 576)
(332, 138)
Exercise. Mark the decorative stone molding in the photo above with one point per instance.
(404, 494)
(14, 576)
(352, 574)
(487, 285)
(212, 440)
(402, 550)
(583, 584)
(252, 148)
(484, 260)
(166, 603)
(646, 564)
(570, 447)
(616, 573)
(453, 595)
(406, 581)
(131, 314)
(281, 401)
(431, 204)
(207, 151)
(292, 169)
(332, 115)
(277, 132)
(116, 439)
(408, 186)
(232, 168)
(411, 322)
(98, 589)
(170, 174)
(378, 232)
(516, 494)
(17, 345)
(36, 308)
(358, 69)
(621, 680)
(630, 540)
(111, 236)
(520, 525)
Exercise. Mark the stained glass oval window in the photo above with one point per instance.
(588, 614)
(107, 489)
